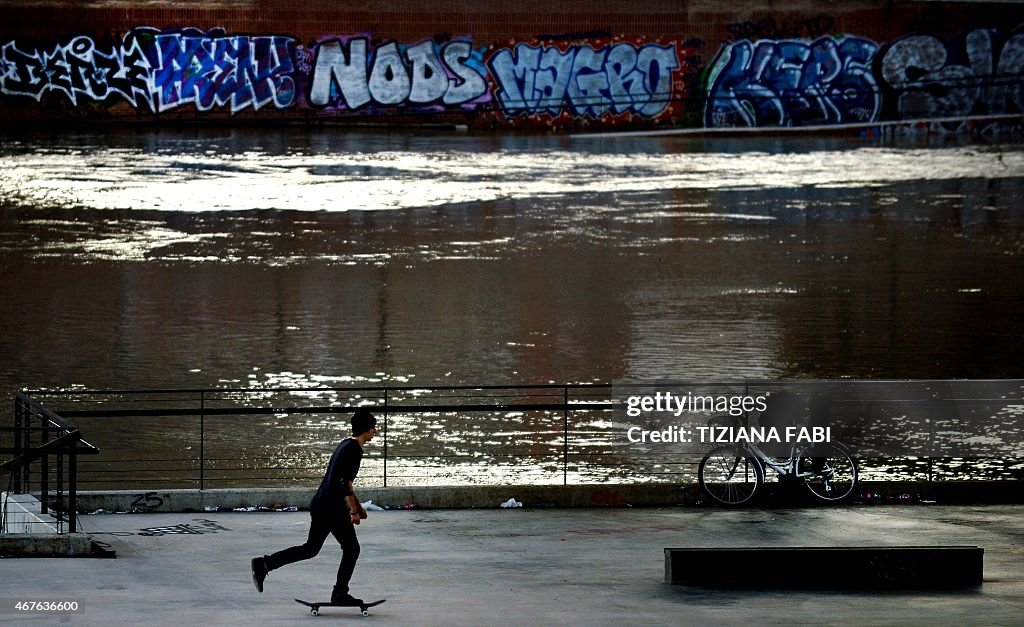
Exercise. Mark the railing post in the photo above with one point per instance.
(60, 486)
(19, 410)
(385, 437)
(72, 509)
(202, 440)
(565, 435)
(26, 444)
(44, 471)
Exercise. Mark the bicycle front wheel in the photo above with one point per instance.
(834, 472)
(730, 476)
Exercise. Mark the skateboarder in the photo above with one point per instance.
(335, 509)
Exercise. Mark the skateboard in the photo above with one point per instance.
(314, 608)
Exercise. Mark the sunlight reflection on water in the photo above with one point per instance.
(200, 179)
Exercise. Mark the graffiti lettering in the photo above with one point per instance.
(201, 526)
(592, 82)
(76, 69)
(149, 500)
(932, 79)
(389, 81)
(212, 72)
(793, 83)
(347, 75)
(161, 70)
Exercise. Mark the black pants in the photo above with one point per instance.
(320, 526)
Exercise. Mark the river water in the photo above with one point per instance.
(323, 257)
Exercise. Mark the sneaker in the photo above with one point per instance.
(345, 599)
(259, 571)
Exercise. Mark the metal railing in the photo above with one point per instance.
(46, 451)
(440, 435)
(233, 437)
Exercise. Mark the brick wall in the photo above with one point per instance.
(698, 31)
(492, 20)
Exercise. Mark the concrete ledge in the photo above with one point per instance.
(465, 497)
(45, 545)
(815, 567)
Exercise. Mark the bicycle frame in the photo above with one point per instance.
(787, 468)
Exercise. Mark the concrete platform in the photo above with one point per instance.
(828, 568)
(542, 566)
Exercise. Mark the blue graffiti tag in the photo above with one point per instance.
(212, 72)
(793, 83)
(593, 82)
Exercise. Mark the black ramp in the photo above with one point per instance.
(826, 567)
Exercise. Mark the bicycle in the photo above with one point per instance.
(732, 474)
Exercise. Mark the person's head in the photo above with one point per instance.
(362, 421)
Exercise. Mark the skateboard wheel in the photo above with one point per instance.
(366, 612)
(314, 612)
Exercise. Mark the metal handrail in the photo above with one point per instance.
(66, 444)
(209, 402)
(558, 434)
(53, 447)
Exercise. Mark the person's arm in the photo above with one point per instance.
(355, 507)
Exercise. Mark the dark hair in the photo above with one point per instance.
(362, 421)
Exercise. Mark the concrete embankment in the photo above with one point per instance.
(532, 496)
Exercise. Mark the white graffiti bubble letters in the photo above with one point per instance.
(467, 84)
(389, 80)
(393, 76)
(346, 71)
(932, 78)
(429, 79)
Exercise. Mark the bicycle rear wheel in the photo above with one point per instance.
(730, 476)
(835, 471)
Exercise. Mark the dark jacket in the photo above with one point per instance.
(329, 499)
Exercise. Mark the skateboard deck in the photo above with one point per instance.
(314, 608)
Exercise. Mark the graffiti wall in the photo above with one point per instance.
(156, 71)
(789, 70)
